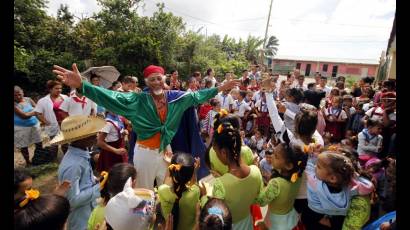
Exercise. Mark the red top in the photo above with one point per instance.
(203, 111)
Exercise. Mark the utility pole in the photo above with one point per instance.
(266, 31)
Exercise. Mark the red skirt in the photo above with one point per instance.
(108, 159)
(336, 129)
(263, 120)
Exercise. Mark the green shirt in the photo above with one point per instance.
(239, 193)
(140, 109)
(187, 204)
(97, 217)
(221, 168)
(280, 194)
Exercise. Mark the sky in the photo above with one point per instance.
(356, 29)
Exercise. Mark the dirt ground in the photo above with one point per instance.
(45, 183)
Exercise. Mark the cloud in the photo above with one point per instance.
(328, 28)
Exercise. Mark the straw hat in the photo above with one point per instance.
(77, 127)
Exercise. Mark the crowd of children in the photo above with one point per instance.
(317, 157)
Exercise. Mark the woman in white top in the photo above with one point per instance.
(210, 75)
(48, 108)
(48, 111)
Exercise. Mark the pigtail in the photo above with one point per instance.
(181, 171)
(227, 137)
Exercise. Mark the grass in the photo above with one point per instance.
(40, 170)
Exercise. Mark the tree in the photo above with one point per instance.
(64, 15)
(271, 47)
(252, 46)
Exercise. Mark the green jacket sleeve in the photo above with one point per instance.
(198, 97)
(124, 104)
(269, 193)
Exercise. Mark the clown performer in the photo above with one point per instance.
(155, 115)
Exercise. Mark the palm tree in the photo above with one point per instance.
(271, 47)
(252, 48)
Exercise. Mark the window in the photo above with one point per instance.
(325, 66)
(298, 65)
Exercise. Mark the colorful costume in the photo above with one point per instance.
(140, 109)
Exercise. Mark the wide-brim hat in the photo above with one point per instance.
(77, 127)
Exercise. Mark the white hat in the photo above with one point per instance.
(131, 208)
(77, 127)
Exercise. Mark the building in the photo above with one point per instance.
(326, 66)
(388, 59)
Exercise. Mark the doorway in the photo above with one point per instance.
(307, 71)
(334, 71)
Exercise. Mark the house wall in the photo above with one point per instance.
(345, 69)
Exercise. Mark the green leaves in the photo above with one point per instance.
(118, 36)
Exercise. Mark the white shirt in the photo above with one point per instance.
(303, 87)
(262, 106)
(76, 108)
(241, 108)
(327, 89)
(225, 100)
(111, 131)
(330, 111)
(45, 107)
(212, 79)
(375, 113)
(256, 96)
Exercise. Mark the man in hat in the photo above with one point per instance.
(155, 115)
(80, 131)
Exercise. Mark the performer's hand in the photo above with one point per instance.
(197, 163)
(281, 108)
(202, 188)
(229, 85)
(68, 77)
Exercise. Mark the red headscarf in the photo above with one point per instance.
(153, 69)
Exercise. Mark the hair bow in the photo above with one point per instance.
(218, 212)
(294, 177)
(223, 113)
(104, 174)
(220, 129)
(31, 194)
(175, 167)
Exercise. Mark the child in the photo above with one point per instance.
(75, 166)
(370, 141)
(115, 181)
(208, 124)
(241, 107)
(22, 182)
(214, 162)
(333, 93)
(293, 98)
(289, 162)
(355, 124)
(258, 140)
(241, 185)
(263, 120)
(181, 197)
(265, 165)
(348, 105)
(41, 212)
(331, 185)
(251, 124)
(111, 142)
(335, 118)
(215, 215)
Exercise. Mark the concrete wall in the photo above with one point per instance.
(344, 69)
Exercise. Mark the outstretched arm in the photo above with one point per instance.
(124, 104)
